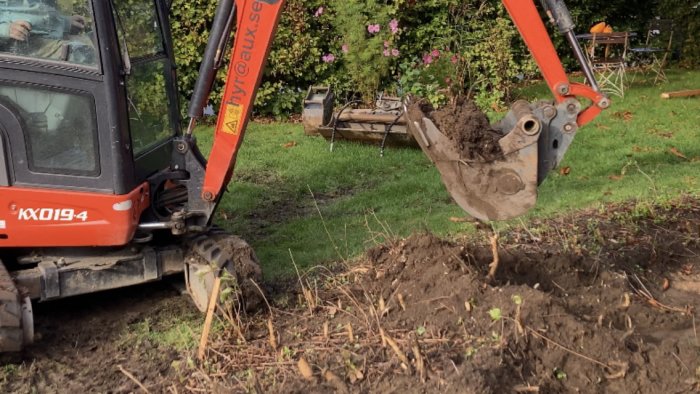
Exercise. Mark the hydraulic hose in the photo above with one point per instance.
(224, 20)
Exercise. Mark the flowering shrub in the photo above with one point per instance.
(367, 37)
(432, 48)
(436, 76)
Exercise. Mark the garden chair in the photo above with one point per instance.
(653, 56)
(607, 53)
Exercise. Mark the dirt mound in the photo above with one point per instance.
(465, 124)
(582, 308)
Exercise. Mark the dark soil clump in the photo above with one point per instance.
(465, 124)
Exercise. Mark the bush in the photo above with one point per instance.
(293, 64)
(190, 21)
(463, 48)
(361, 47)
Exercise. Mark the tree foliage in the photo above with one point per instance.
(364, 46)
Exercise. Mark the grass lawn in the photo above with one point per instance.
(641, 148)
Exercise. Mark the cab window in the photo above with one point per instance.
(60, 128)
(141, 38)
(58, 30)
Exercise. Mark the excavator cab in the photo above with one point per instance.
(88, 105)
(91, 156)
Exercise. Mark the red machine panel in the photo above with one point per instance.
(46, 218)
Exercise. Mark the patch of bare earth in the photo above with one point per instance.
(90, 344)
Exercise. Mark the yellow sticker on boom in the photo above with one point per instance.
(233, 114)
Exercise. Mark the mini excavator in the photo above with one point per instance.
(102, 186)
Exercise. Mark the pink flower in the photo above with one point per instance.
(394, 26)
(345, 48)
(395, 52)
(386, 44)
(427, 59)
(328, 58)
(435, 53)
(318, 12)
(454, 59)
(372, 29)
(387, 53)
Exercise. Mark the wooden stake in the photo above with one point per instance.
(680, 93)
(210, 317)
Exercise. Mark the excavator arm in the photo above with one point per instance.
(257, 22)
(535, 136)
(527, 19)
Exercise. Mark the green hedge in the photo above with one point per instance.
(433, 48)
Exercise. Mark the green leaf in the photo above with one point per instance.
(420, 331)
(495, 314)
(559, 374)
(518, 300)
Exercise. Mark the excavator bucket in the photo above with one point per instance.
(496, 182)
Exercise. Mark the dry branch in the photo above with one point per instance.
(681, 93)
(133, 379)
(395, 347)
(493, 267)
(272, 337)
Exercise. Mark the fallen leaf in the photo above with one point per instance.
(332, 311)
(305, 369)
(626, 302)
(626, 115)
(290, 144)
(666, 284)
(674, 151)
(565, 171)
(455, 219)
(638, 149)
(660, 133)
(616, 177)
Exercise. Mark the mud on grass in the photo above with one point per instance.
(598, 302)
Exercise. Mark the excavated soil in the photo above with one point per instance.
(596, 302)
(591, 303)
(467, 126)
